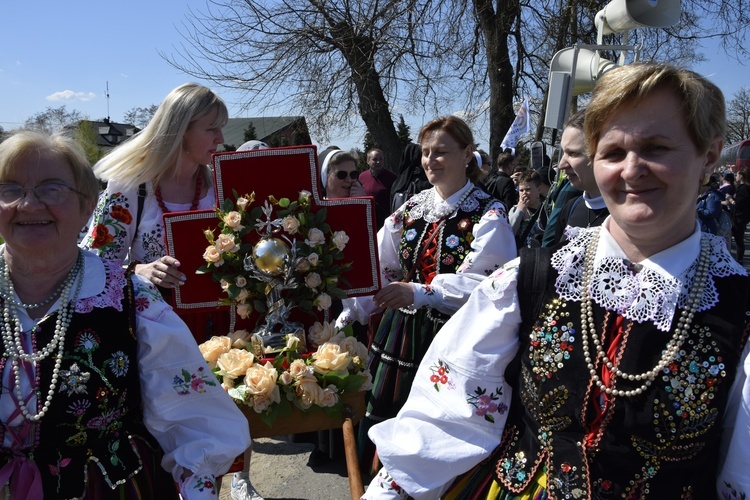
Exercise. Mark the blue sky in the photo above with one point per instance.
(65, 52)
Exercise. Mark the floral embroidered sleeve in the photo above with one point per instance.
(112, 227)
(181, 397)
(493, 245)
(459, 400)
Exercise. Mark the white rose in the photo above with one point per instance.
(290, 224)
(329, 396)
(240, 338)
(240, 281)
(224, 285)
(243, 310)
(242, 296)
(355, 348)
(315, 237)
(286, 378)
(313, 281)
(313, 259)
(242, 202)
(261, 403)
(303, 265)
(292, 342)
(367, 384)
(322, 301)
(319, 333)
(304, 197)
(340, 239)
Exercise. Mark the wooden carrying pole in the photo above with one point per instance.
(350, 451)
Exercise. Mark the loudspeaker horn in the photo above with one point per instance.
(589, 66)
(624, 15)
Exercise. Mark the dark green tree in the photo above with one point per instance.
(250, 133)
(403, 131)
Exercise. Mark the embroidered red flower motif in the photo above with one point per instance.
(121, 213)
(100, 236)
(566, 467)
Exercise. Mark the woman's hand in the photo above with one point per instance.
(357, 189)
(395, 295)
(162, 272)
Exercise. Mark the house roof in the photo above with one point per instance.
(109, 134)
(265, 127)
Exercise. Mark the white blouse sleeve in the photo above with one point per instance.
(734, 479)
(185, 408)
(389, 236)
(493, 246)
(456, 410)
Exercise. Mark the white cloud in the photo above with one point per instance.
(124, 75)
(69, 95)
(18, 63)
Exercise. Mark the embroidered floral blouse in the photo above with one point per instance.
(112, 231)
(492, 244)
(460, 399)
(194, 421)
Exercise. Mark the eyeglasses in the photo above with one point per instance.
(353, 175)
(51, 193)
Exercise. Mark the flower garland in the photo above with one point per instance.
(316, 250)
(270, 386)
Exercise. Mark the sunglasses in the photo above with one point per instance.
(353, 175)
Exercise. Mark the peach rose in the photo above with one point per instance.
(308, 391)
(213, 255)
(261, 381)
(240, 338)
(322, 301)
(313, 280)
(315, 237)
(355, 348)
(225, 243)
(298, 369)
(319, 333)
(340, 239)
(290, 224)
(233, 219)
(215, 347)
(367, 384)
(235, 363)
(330, 358)
(242, 296)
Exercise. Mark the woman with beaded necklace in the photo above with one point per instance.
(104, 391)
(433, 251)
(613, 365)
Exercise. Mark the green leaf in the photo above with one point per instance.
(259, 306)
(228, 205)
(284, 202)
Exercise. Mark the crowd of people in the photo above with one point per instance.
(575, 330)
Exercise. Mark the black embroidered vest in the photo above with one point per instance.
(456, 239)
(96, 408)
(660, 444)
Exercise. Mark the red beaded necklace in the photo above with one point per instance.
(196, 198)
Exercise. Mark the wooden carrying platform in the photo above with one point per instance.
(316, 420)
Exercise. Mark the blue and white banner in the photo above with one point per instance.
(520, 126)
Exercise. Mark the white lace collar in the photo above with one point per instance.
(431, 207)
(655, 290)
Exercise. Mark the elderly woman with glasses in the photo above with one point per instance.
(105, 393)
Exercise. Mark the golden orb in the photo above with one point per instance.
(270, 256)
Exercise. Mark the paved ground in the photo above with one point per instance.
(279, 471)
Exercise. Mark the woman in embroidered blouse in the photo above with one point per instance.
(613, 367)
(170, 159)
(457, 235)
(105, 393)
